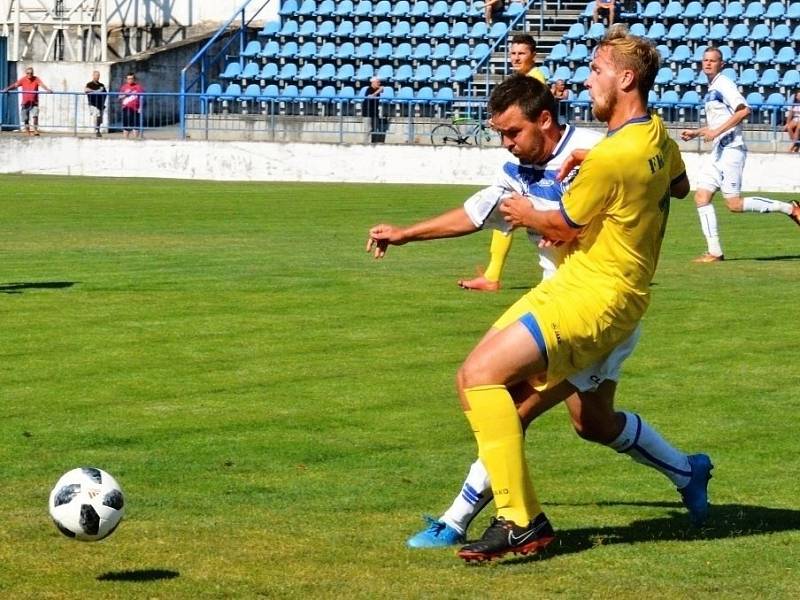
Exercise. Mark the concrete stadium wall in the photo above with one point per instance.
(263, 161)
(158, 13)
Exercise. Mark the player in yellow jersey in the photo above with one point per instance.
(614, 215)
(522, 56)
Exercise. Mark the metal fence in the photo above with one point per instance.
(334, 119)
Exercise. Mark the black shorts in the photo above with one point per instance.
(130, 119)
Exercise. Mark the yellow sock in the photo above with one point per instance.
(498, 251)
(498, 431)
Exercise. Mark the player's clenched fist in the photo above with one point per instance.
(381, 237)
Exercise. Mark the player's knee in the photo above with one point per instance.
(594, 428)
(734, 204)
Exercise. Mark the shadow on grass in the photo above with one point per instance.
(725, 521)
(19, 288)
(138, 575)
(765, 258)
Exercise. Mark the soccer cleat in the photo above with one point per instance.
(502, 537)
(437, 534)
(707, 257)
(695, 493)
(795, 216)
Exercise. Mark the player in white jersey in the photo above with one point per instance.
(536, 178)
(722, 169)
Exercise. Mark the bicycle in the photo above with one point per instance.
(462, 131)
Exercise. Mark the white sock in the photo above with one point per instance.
(475, 494)
(644, 445)
(760, 204)
(708, 223)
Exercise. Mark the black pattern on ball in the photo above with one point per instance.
(93, 474)
(66, 494)
(90, 520)
(114, 499)
(64, 530)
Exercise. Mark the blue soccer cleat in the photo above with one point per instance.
(437, 534)
(695, 493)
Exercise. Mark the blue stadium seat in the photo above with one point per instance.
(754, 100)
(402, 52)
(579, 53)
(733, 10)
(270, 92)
(289, 29)
(442, 73)
(307, 72)
(307, 8)
(786, 56)
(364, 51)
(693, 10)
(774, 105)
(677, 32)
(561, 72)
(668, 100)
(401, 9)
(383, 51)
(769, 78)
(307, 50)
(288, 8)
(545, 71)
(780, 33)
(513, 9)
(420, 9)
(326, 8)
(460, 52)
(664, 51)
(713, 10)
(638, 29)
(718, 32)
(421, 30)
(288, 72)
(363, 30)
(748, 77)
(580, 75)
(480, 51)
(326, 72)
(289, 93)
(345, 29)
(268, 72)
(212, 93)
(701, 79)
(595, 32)
(424, 95)
(440, 30)
(403, 73)
(796, 34)
(738, 33)
(250, 71)
(462, 73)
(657, 31)
(730, 73)
(385, 72)
(581, 103)
(697, 32)
(652, 97)
(232, 71)
(405, 93)
(422, 73)
(459, 30)
(326, 29)
(289, 50)
(690, 104)
(557, 53)
(344, 8)
(327, 50)
(685, 76)
(346, 51)
(793, 12)
(232, 92)
(383, 8)
(479, 31)
(682, 54)
(270, 29)
(439, 9)
(629, 13)
(764, 55)
(759, 33)
(440, 52)
(498, 30)
(420, 52)
(444, 95)
(754, 10)
(674, 10)
(252, 49)
(346, 72)
(365, 72)
(652, 10)
(346, 93)
(664, 76)
(744, 55)
(790, 79)
(327, 94)
(727, 53)
(362, 9)
(576, 31)
(382, 30)
(588, 11)
(775, 11)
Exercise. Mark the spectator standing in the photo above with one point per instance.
(492, 9)
(130, 97)
(793, 123)
(378, 125)
(96, 95)
(29, 109)
(608, 8)
(560, 90)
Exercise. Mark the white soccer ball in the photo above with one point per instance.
(86, 504)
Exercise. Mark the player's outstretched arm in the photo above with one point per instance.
(453, 223)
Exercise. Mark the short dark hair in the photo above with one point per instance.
(524, 38)
(714, 49)
(531, 95)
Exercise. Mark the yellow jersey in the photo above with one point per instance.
(536, 73)
(620, 200)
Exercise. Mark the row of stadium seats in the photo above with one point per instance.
(383, 8)
(364, 30)
(367, 51)
(717, 32)
(346, 72)
(692, 11)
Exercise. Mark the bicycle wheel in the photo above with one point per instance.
(447, 135)
(485, 136)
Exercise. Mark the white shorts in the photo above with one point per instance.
(722, 170)
(592, 376)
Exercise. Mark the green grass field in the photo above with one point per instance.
(280, 408)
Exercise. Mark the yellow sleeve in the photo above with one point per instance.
(677, 166)
(536, 73)
(589, 193)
